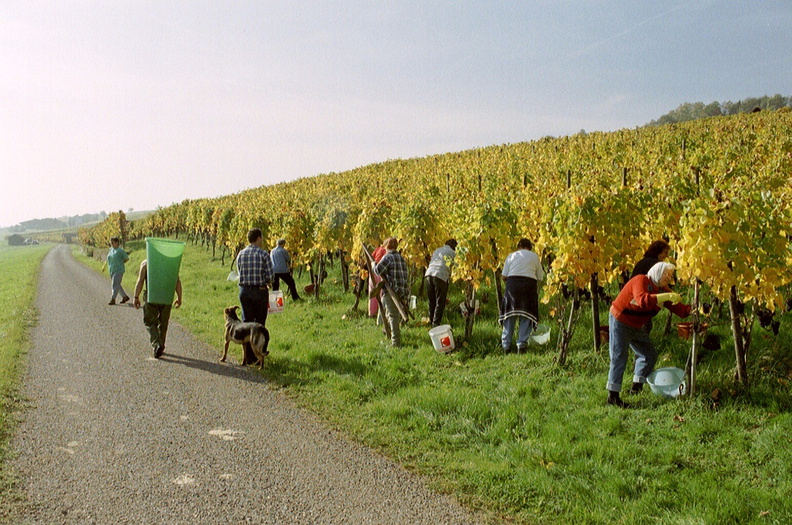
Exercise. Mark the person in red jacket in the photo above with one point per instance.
(639, 301)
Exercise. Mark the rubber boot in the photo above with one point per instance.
(615, 400)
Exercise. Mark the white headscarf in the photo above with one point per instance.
(657, 271)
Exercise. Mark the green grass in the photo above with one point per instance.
(517, 436)
(18, 279)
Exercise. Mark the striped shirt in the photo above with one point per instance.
(393, 268)
(254, 267)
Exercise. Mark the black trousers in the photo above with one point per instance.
(437, 291)
(289, 281)
(254, 301)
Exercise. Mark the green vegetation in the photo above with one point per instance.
(697, 110)
(516, 435)
(18, 280)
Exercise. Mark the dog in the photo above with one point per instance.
(255, 335)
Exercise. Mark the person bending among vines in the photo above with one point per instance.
(522, 272)
(639, 301)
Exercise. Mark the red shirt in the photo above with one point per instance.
(379, 253)
(637, 303)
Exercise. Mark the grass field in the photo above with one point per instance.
(517, 436)
(18, 278)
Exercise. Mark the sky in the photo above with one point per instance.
(119, 105)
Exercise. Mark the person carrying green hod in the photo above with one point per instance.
(155, 316)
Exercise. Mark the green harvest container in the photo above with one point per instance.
(164, 258)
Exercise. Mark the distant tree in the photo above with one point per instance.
(776, 102)
(696, 110)
(713, 110)
(15, 240)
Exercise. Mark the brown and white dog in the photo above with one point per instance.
(254, 334)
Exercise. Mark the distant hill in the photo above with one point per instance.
(50, 224)
(696, 110)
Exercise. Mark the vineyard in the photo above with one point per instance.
(718, 189)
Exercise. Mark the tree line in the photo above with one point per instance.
(696, 110)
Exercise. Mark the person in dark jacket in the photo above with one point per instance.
(655, 253)
(640, 300)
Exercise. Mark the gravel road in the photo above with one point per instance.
(115, 436)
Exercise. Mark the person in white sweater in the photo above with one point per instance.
(522, 272)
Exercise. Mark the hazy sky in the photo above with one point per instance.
(111, 104)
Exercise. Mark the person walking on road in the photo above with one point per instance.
(255, 275)
(522, 272)
(281, 267)
(393, 270)
(155, 316)
(437, 276)
(116, 266)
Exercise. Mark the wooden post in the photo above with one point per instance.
(694, 346)
(566, 336)
(595, 318)
(741, 373)
(470, 306)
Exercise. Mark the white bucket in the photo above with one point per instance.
(540, 334)
(463, 309)
(275, 302)
(667, 382)
(442, 338)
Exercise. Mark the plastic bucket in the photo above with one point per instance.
(275, 302)
(685, 330)
(163, 261)
(667, 382)
(442, 338)
(540, 334)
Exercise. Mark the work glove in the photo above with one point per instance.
(670, 296)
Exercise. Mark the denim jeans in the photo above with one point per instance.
(622, 337)
(526, 327)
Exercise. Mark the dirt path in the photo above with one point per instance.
(115, 436)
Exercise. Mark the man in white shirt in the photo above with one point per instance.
(437, 276)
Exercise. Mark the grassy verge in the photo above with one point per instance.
(18, 279)
(516, 435)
